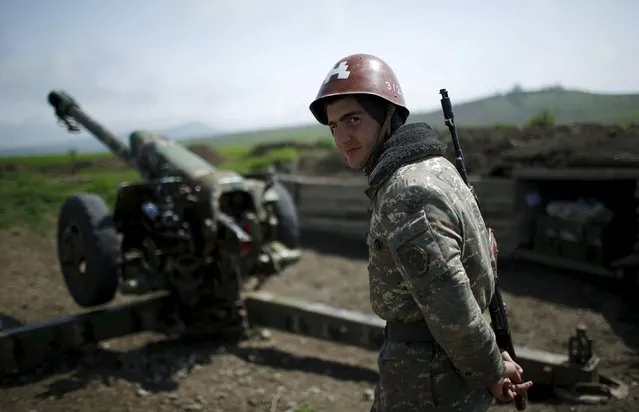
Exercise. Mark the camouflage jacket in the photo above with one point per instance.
(429, 252)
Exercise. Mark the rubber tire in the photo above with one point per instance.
(288, 231)
(98, 285)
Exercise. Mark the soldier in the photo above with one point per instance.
(431, 269)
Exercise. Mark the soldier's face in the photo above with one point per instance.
(353, 129)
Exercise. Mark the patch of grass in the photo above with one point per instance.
(255, 163)
(249, 139)
(51, 160)
(29, 197)
(304, 408)
(26, 198)
(234, 152)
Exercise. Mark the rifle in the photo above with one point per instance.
(497, 309)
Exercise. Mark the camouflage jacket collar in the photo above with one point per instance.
(409, 143)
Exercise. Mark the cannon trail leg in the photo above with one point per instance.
(27, 346)
(574, 375)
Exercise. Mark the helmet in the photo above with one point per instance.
(359, 74)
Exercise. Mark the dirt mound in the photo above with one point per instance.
(323, 163)
(264, 148)
(207, 153)
(496, 151)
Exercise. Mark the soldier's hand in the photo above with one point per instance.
(511, 384)
(505, 390)
(513, 370)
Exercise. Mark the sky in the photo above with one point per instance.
(251, 64)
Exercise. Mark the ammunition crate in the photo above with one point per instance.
(565, 238)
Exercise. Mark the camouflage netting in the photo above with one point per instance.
(496, 151)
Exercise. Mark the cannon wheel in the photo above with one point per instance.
(88, 249)
(288, 229)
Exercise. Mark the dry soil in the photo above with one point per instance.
(276, 371)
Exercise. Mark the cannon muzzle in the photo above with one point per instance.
(61, 101)
(69, 112)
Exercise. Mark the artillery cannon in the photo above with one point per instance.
(186, 228)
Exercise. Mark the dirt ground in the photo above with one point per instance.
(277, 371)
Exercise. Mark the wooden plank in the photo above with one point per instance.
(292, 187)
(354, 202)
(332, 209)
(484, 187)
(534, 173)
(494, 202)
(498, 208)
(361, 179)
(341, 192)
(478, 182)
(340, 180)
(488, 190)
(340, 206)
(562, 262)
(330, 204)
(506, 236)
(345, 227)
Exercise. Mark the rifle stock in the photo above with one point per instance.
(496, 308)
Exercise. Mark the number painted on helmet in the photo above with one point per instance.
(394, 87)
(341, 70)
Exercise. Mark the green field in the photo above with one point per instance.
(28, 198)
(34, 189)
(245, 139)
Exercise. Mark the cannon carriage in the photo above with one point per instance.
(185, 227)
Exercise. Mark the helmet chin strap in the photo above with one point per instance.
(384, 131)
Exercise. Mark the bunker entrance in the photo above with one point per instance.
(577, 219)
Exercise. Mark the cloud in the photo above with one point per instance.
(93, 75)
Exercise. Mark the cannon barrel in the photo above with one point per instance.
(152, 151)
(66, 107)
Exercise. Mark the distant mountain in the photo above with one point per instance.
(517, 107)
(192, 130)
(59, 140)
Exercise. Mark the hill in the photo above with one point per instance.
(514, 108)
(517, 106)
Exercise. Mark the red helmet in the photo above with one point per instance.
(359, 74)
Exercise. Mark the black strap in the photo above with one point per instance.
(407, 332)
